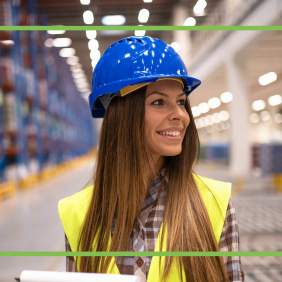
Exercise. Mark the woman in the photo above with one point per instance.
(146, 195)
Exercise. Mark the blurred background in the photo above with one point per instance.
(48, 140)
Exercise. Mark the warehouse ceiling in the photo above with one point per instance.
(70, 13)
(261, 57)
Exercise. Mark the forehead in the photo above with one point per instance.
(165, 86)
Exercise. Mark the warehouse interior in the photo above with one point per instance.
(49, 140)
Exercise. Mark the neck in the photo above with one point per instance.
(158, 165)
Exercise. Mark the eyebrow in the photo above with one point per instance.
(163, 94)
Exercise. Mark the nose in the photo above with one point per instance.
(177, 112)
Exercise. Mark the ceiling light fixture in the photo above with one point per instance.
(224, 115)
(265, 116)
(82, 85)
(202, 122)
(197, 123)
(85, 2)
(254, 118)
(258, 105)
(175, 46)
(196, 112)
(190, 22)
(91, 34)
(75, 67)
(267, 78)
(214, 103)
(8, 42)
(84, 94)
(48, 42)
(84, 78)
(93, 64)
(209, 120)
(275, 100)
(61, 42)
(113, 20)
(87, 90)
(204, 108)
(80, 80)
(216, 117)
(199, 7)
(278, 118)
(56, 31)
(88, 17)
(77, 75)
(78, 71)
(72, 60)
(143, 16)
(226, 97)
(147, 1)
(113, 32)
(67, 52)
(95, 55)
(140, 32)
(93, 44)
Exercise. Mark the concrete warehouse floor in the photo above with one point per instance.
(30, 222)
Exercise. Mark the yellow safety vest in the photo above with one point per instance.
(73, 209)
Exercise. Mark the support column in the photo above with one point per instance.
(183, 37)
(240, 161)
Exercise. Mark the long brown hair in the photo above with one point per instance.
(120, 188)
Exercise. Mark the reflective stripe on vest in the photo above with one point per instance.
(72, 211)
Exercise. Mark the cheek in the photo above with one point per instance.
(186, 119)
(149, 121)
(152, 122)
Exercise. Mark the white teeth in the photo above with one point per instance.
(170, 133)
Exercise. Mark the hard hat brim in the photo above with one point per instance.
(190, 85)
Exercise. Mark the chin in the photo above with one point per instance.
(171, 153)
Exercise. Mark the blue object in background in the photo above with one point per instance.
(217, 153)
(270, 158)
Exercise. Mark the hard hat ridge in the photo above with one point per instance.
(136, 60)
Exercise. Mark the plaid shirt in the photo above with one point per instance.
(145, 234)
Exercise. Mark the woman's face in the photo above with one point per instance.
(166, 118)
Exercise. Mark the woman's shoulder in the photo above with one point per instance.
(216, 195)
(77, 201)
(72, 211)
(212, 186)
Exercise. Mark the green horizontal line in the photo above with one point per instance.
(140, 27)
(133, 254)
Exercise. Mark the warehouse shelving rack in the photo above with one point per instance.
(2, 153)
(49, 123)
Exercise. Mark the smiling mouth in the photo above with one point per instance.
(170, 133)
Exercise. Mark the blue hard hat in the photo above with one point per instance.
(135, 60)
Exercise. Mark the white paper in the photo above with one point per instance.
(54, 276)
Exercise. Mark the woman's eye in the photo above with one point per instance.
(158, 102)
(182, 102)
(161, 102)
